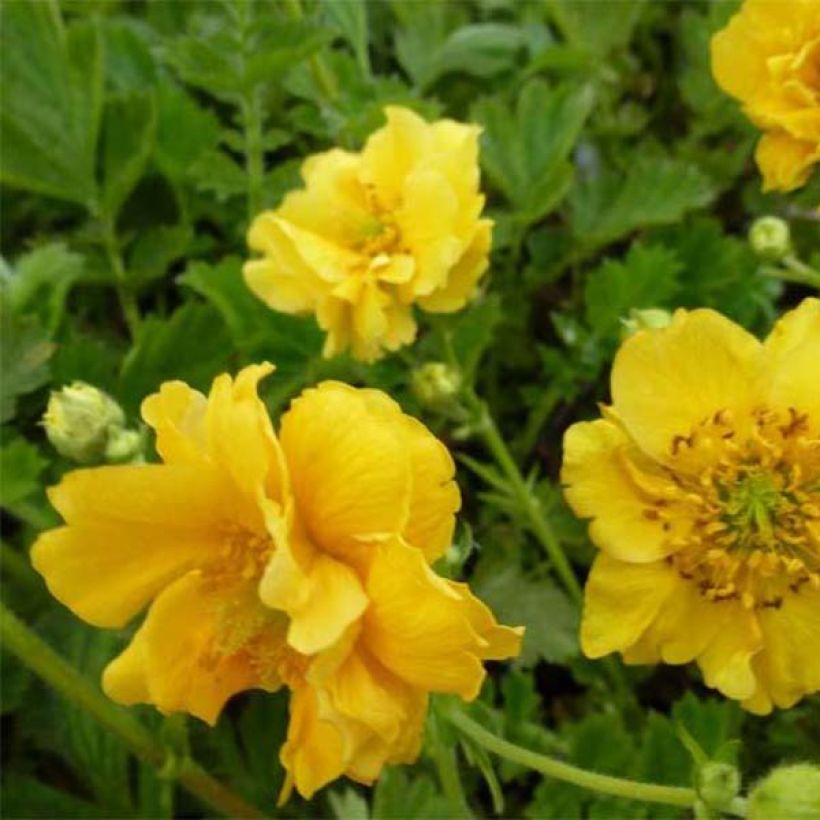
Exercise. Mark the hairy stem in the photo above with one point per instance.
(605, 784)
(71, 684)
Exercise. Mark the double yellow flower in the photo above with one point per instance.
(300, 559)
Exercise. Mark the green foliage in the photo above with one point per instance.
(138, 139)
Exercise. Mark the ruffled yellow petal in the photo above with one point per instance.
(666, 381)
(349, 466)
(463, 278)
(313, 752)
(608, 480)
(321, 595)
(788, 671)
(423, 629)
(177, 414)
(180, 660)
(793, 360)
(727, 661)
(435, 498)
(621, 601)
(785, 161)
(132, 530)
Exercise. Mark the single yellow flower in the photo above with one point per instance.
(768, 57)
(703, 485)
(373, 233)
(301, 561)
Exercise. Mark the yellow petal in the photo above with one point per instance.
(793, 357)
(727, 661)
(349, 466)
(132, 530)
(435, 497)
(321, 596)
(790, 666)
(241, 438)
(597, 485)
(463, 278)
(177, 656)
(664, 382)
(177, 414)
(313, 751)
(392, 151)
(621, 601)
(420, 627)
(785, 161)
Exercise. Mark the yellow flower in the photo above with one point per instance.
(768, 57)
(373, 233)
(703, 485)
(301, 561)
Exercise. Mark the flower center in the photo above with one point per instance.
(744, 507)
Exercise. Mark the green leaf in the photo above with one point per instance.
(185, 131)
(662, 757)
(153, 252)
(24, 796)
(655, 190)
(480, 50)
(402, 795)
(712, 722)
(192, 345)
(550, 617)
(646, 278)
(129, 63)
(525, 152)
(52, 95)
(24, 353)
(348, 805)
(20, 468)
(597, 25)
(474, 332)
(220, 174)
(259, 332)
(41, 281)
(350, 18)
(128, 139)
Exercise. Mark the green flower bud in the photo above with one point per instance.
(435, 384)
(79, 420)
(123, 445)
(648, 319)
(791, 792)
(770, 237)
(717, 784)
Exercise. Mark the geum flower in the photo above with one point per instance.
(373, 233)
(703, 485)
(302, 562)
(768, 57)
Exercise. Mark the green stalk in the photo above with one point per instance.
(603, 783)
(321, 73)
(254, 159)
(447, 767)
(128, 302)
(527, 502)
(72, 685)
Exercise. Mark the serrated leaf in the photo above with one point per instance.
(41, 280)
(220, 174)
(20, 467)
(288, 341)
(662, 757)
(551, 619)
(474, 331)
(596, 25)
(51, 103)
(350, 18)
(24, 353)
(129, 63)
(654, 191)
(129, 128)
(404, 795)
(646, 278)
(526, 152)
(712, 722)
(154, 250)
(192, 345)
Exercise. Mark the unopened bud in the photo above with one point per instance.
(123, 445)
(647, 319)
(435, 384)
(718, 784)
(79, 420)
(791, 792)
(770, 237)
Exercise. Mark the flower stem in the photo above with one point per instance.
(71, 684)
(447, 767)
(603, 783)
(128, 303)
(527, 502)
(321, 73)
(254, 160)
